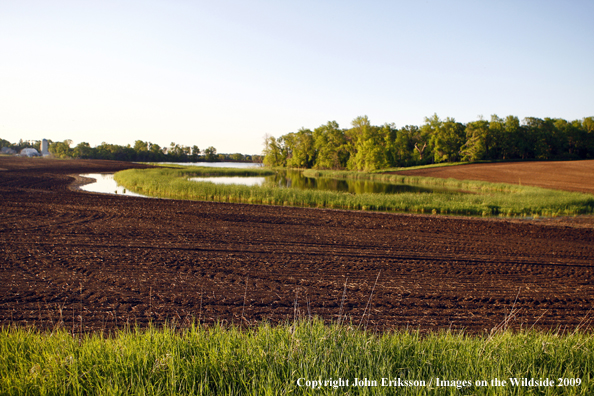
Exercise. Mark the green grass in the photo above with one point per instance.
(205, 171)
(440, 165)
(486, 199)
(270, 360)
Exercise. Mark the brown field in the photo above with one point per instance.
(558, 175)
(94, 261)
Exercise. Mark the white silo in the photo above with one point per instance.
(44, 147)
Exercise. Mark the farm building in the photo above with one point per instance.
(29, 152)
(7, 150)
(44, 147)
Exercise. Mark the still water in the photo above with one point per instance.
(240, 165)
(244, 181)
(106, 184)
(282, 179)
(296, 179)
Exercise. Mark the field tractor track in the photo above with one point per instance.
(96, 261)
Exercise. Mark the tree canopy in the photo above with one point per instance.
(141, 151)
(368, 147)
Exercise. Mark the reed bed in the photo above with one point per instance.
(461, 185)
(484, 199)
(287, 359)
(206, 171)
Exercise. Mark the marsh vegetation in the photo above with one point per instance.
(473, 197)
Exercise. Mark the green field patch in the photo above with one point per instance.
(480, 199)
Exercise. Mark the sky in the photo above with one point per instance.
(227, 73)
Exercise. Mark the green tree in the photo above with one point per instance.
(534, 144)
(83, 150)
(140, 146)
(478, 141)
(210, 154)
(513, 143)
(410, 147)
(305, 150)
(61, 149)
(272, 152)
(587, 137)
(571, 136)
(367, 145)
(141, 150)
(447, 138)
(330, 147)
(174, 151)
(195, 153)
(157, 152)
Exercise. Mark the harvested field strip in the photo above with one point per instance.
(201, 360)
(491, 199)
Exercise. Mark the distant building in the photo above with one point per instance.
(44, 147)
(29, 152)
(7, 150)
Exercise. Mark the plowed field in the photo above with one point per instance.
(558, 175)
(96, 261)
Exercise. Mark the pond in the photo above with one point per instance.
(282, 179)
(241, 165)
(296, 179)
(104, 183)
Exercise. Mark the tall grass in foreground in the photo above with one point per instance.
(275, 360)
(486, 199)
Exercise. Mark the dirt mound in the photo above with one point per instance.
(93, 261)
(557, 175)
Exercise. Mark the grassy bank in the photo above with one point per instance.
(281, 359)
(205, 171)
(439, 165)
(486, 198)
(455, 184)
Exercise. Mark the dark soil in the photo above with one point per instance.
(91, 261)
(558, 175)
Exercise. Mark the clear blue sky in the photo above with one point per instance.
(225, 73)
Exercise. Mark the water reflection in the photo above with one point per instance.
(238, 165)
(245, 181)
(296, 179)
(106, 184)
(282, 179)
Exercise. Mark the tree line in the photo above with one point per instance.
(141, 151)
(369, 147)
